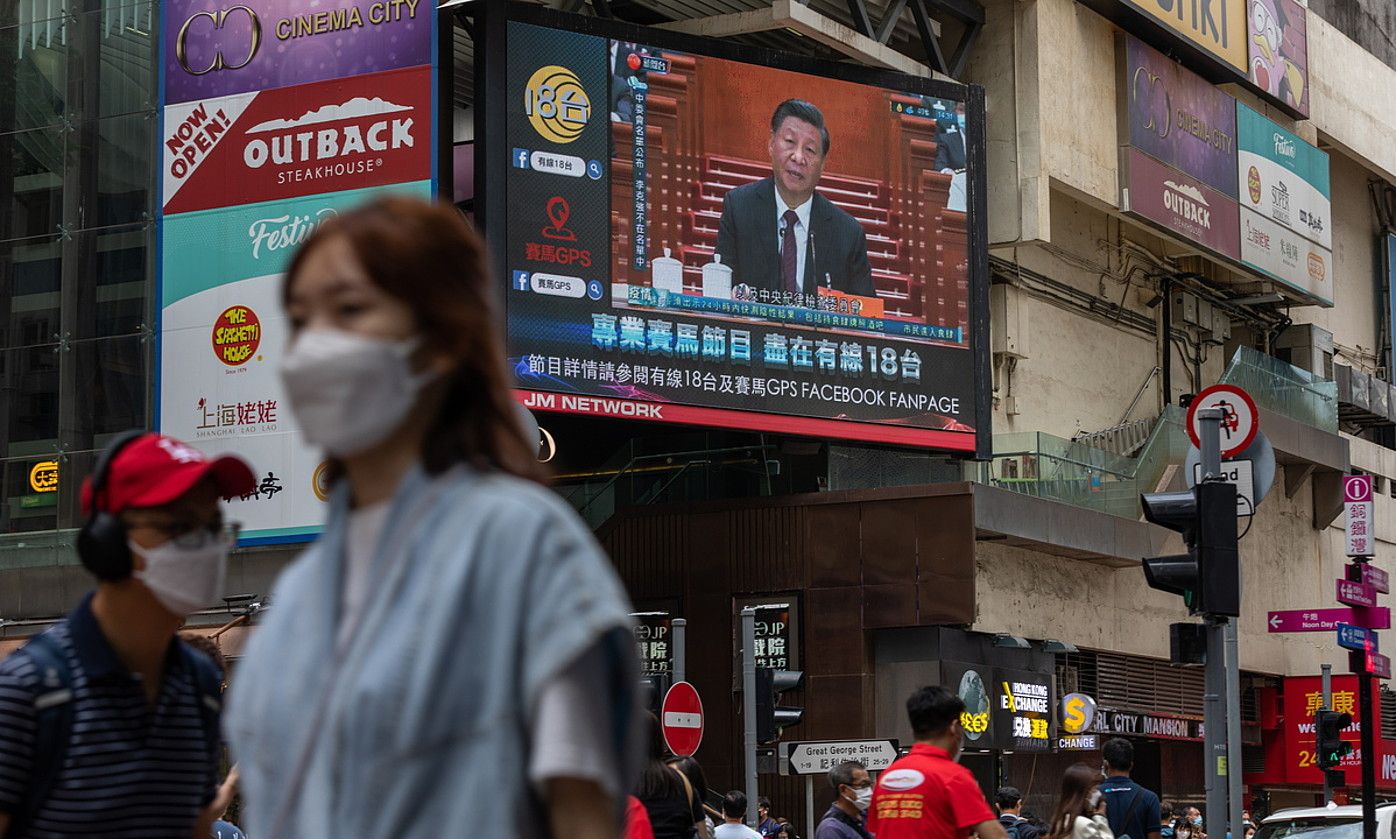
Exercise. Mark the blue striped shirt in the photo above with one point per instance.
(130, 769)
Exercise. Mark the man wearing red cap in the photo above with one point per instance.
(108, 722)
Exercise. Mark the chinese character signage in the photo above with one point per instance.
(1287, 229)
(654, 637)
(1360, 532)
(1005, 708)
(1303, 697)
(681, 303)
(1024, 709)
(275, 116)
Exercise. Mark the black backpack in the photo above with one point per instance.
(53, 717)
(1012, 829)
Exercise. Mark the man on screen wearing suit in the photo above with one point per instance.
(779, 233)
(950, 155)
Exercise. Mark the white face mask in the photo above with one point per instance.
(862, 799)
(348, 391)
(184, 579)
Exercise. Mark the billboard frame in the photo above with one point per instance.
(491, 18)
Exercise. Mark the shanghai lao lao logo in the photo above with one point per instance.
(236, 335)
(556, 104)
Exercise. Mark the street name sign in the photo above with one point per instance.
(681, 719)
(1240, 419)
(817, 758)
(1327, 620)
(1357, 638)
(1356, 594)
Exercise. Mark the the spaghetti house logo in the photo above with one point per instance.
(236, 335)
(352, 133)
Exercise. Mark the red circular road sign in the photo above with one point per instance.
(681, 719)
(1239, 424)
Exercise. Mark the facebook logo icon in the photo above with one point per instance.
(521, 281)
(520, 158)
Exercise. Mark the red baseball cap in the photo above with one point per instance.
(153, 470)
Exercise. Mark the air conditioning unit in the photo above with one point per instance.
(1307, 347)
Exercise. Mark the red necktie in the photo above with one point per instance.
(787, 253)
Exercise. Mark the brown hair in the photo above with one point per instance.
(428, 256)
(208, 647)
(1077, 784)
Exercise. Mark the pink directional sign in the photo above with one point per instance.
(1327, 620)
(1356, 594)
(1373, 576)
(1379, 665)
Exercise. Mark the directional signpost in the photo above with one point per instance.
(1357, 638)
(1360, 587)
(1327, 620)
(817, 758)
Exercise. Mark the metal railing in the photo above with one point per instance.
(1083, 475)
(1285, 389)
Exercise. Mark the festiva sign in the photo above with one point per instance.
(1284, 178)
(271, 145)
(213, 50)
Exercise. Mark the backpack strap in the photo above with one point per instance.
(53, 725)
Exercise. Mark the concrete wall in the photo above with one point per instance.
(1368, 22)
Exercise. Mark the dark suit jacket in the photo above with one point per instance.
(950, 147)
(748, 234)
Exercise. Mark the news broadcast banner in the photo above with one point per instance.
(632, 167)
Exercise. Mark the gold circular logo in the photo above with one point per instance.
(556, 104)
(320, 481)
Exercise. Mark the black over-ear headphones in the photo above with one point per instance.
(102, 541)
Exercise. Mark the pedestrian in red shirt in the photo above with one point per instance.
(927, 795)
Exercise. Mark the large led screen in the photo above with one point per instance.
(692, 238)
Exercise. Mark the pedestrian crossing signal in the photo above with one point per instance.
(1331, 748)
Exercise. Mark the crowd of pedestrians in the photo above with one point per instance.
(454, 649)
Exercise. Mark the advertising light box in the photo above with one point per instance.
(1286, 214)
(688, 234)
(275, 116)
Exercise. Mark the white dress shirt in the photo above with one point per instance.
(801, 234)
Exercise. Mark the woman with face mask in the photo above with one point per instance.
(1080, 810)
(455, 649)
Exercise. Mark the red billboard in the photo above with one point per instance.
(1180, 204)
(1287, 723)
(352, 133)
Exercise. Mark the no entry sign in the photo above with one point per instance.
(681, 719)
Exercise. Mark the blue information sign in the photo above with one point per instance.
(1357, 638)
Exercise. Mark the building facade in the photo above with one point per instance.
(900, 566)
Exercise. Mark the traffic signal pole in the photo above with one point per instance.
(1327, 706)
(1369, 756)
(1215, 675)
(1233, 727)
(749, 710)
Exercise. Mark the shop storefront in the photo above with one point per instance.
(1289, 774)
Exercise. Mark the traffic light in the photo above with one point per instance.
(771, 717)
(1330, 746)
(1208, 575)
